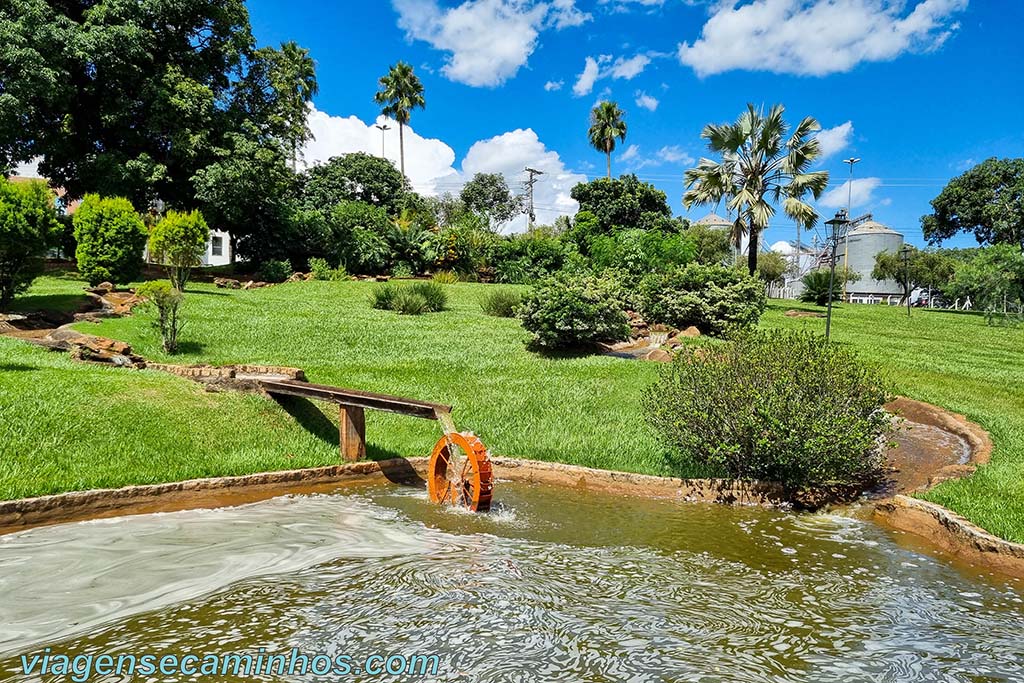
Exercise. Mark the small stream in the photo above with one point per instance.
(553, 585)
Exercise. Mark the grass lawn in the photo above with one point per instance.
(68, 426)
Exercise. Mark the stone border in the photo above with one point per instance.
(938, 525)
(75, 506)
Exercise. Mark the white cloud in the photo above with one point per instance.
(834, 140)
(512, 152)
(629, 68)
(632, 152)
(429, 162)
(552, 86)
(488, 40)
(585, 81)
(646, 101)
(674, 154)
(816, 37)
(863, 192)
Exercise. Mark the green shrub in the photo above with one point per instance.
(409, 302)
(178, 242)
(574, 311)
(28, 224)
(816, 287)
(167, 301)
(402, 271)
(446, 277)
(711, 298)
(111, 238)
(776, 406)
(322, 270)
(501, 303)
(382, 296)
(434, 294)
(275, 271)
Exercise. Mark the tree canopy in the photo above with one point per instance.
(488, 194)
(354, 177)
(987, 200)
(625, 203)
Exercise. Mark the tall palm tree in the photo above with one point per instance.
(296, 80)
(606, 126)
(760, 167)
(400, 92)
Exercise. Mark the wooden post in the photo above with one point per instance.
(352, 431)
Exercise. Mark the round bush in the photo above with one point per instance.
(275, 271)
(711, 298)
(574, 311)
(179, 243)
(28, 224)
(409, 302)
(111, 238)
(776, 406)
(434, 294)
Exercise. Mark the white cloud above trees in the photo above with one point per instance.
(817, 37)
(835, 140)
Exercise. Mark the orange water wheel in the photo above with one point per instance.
(460, 472)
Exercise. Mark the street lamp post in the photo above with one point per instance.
(849, 212)
(905, 255)
(383, 129)
(837, 224)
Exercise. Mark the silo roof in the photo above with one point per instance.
(714, 220)
(871, 228)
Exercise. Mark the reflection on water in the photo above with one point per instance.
(554, 585)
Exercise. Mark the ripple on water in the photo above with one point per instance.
(723, 601)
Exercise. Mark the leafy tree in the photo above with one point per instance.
(772, 267)
(133, 98)
(606, 126)
(622, 204)
(28, 224)
(111, 238)
(248, 191)
(358, 237)
(179, 242)
(400, 92)
(760, 166)
(354, 177)
(488, 195)
(993, 278)
(987, 200)
(711, 246)
(927, 269)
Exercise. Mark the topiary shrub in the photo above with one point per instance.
(501, 303)
(275, 271)
(711, 298)
(574, 311)
(178, 242)
(111, 238)
(28, 224)
(776, 406)
(167, 301)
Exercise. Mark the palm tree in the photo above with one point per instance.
(296, 80)
(606, 125)
(760, 168)
(400, 92)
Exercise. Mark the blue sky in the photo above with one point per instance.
(919, 90)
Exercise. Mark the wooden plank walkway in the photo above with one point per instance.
(352, 404)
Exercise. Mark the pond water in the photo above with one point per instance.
(554, 585)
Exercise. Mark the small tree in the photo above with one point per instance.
(772, 268)
(167, 301)
(28, 222)
(488, 195)
(178, 242)
(923, 269)
(111, 238)
(987, 200)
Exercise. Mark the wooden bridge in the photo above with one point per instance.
(352, 404)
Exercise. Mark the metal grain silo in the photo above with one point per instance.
(865, 241)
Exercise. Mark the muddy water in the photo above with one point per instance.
(554, 585)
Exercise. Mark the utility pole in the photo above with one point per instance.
(530, 215)
(849, 212)
(383, 129)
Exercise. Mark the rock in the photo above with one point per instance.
(382, 278)
(227, 283)
(690, 331)
(680, 338)
(297, 277)
(659, 355)
(309, 277)
(793, 313)
(102, 288)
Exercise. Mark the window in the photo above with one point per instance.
(217, 245)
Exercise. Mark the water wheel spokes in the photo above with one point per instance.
(460, 473)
